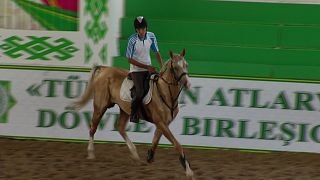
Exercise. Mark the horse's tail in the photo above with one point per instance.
(87, 95)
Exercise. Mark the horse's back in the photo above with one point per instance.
(113, 72)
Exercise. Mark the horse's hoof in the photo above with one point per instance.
(189, 173)
(150, 161)
(91, 155)
(150, 156)
(190, 176)
(135, 157)
(135, 160)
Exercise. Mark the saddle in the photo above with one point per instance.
(127, 92)
(127, 89)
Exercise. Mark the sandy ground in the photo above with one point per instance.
(26, 159)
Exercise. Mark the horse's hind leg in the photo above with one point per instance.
(100, 104)
(97, 115)
(122, 123)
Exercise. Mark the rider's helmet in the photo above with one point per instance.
(140, 22)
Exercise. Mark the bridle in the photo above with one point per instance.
(176, 78)
(176, 82)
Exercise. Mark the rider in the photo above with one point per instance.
(138, 54)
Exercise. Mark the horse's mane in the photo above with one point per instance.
(164, 67)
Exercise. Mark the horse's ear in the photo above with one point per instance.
(183, 53)
(171, 54)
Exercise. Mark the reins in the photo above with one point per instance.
(169, 84)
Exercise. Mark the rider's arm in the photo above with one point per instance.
(151, 69)
(158, 55)
(155, 49)
(136, 63)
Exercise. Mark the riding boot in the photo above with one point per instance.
(134, 111)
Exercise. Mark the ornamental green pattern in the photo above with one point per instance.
(38, 48)
(104, 53)
(96, 28)
(87, 53)
(6, 101)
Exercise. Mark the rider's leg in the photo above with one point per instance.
(138, 80)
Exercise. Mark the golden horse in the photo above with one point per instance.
(104, 87)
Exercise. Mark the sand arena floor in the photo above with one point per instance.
(27, 159)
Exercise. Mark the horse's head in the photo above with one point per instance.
(179, 68)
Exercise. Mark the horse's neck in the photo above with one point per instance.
(165, 88)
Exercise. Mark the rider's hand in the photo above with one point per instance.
(151, 69)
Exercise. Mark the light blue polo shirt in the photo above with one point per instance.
(139, 50)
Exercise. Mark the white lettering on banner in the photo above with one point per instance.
(245, 114)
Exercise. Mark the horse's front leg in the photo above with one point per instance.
(155, 141)
(168, 134)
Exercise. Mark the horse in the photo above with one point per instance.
(104, 87)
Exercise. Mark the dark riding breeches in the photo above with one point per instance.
(138, 79)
